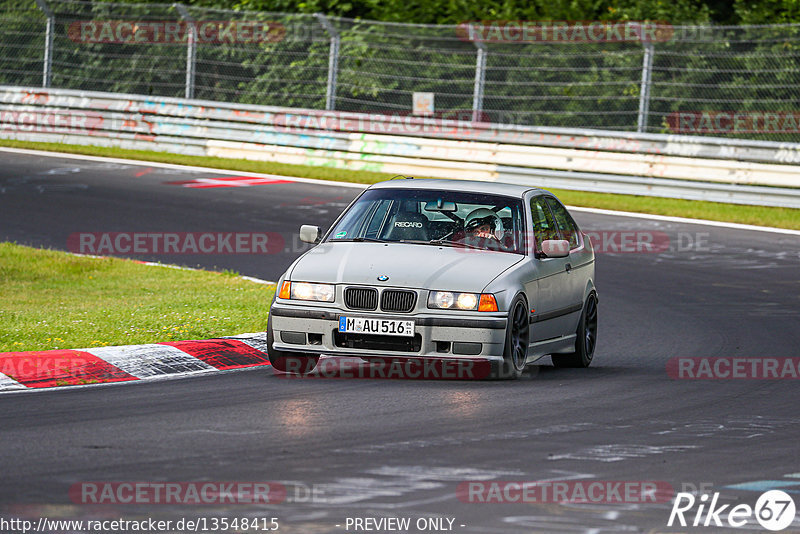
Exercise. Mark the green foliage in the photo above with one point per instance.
(456, 11)
(767, 11)
(564, 84)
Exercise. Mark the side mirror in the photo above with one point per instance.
(309, 234)
(555, 248)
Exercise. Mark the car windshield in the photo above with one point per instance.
(450, 218)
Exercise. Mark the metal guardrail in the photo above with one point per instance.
(700, 168)
(603, 140)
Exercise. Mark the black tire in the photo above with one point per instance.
(586, 338)
(515, 352)
(288, 362)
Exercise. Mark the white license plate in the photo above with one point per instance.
(381, 327)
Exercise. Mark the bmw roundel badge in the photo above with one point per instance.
(383, 278)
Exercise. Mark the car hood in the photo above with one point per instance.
(406, 265)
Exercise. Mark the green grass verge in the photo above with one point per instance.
(693, 209)
(55, 300)
(716, 211)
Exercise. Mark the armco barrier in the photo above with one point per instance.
(704, 168)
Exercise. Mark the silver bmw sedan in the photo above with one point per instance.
(440, 270)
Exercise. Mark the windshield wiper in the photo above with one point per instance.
(442, 242)
(448, 243)
(366, 239)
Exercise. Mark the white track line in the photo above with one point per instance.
(182, 268)
(142, 163)
(171, 266)
(256, 280)
(331, 183)
(682, 220)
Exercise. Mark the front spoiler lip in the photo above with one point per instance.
(389, 355)
(490, 322)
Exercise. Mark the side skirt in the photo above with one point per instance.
(561, 344)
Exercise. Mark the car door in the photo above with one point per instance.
(579, 262)
(549, 298)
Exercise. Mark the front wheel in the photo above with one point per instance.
(586, 338)
(518, 330)
(288, 362)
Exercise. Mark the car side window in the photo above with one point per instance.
(566, 225)
(543, 226)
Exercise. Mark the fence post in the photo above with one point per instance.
(644, 92)
(480, 78)
(333, 61)
(47, 75)
(191, 49)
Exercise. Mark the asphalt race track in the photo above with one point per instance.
(373, 448)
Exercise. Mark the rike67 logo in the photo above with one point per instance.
(774, 510)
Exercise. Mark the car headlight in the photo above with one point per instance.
(446, 300)
(308, 291)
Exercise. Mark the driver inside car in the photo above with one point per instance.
(483, 228)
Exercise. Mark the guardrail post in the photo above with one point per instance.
(47, 75)
(333, 61)
(644, 92)
(191, 49)
(480, 79)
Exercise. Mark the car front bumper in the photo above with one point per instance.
(314, 330)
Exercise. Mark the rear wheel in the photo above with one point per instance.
(288, 362)
(586, 338)
(517, 338)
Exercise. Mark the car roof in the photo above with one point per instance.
(472, 186)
